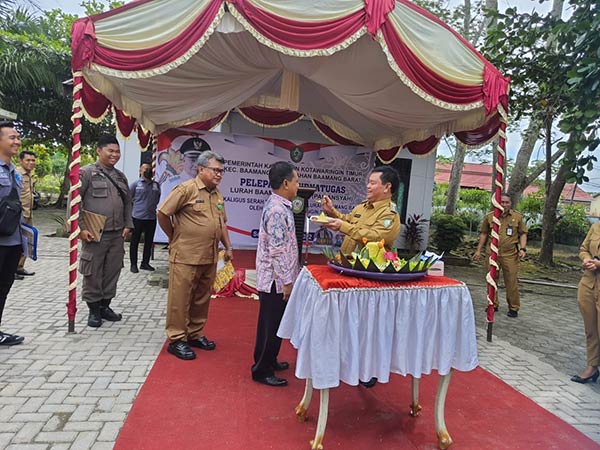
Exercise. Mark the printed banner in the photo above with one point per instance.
(338, 171)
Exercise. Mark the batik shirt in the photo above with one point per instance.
(277, 253)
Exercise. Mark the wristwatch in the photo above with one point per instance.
(524, 249)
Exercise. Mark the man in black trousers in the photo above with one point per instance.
(276, 270)
(145, 195)
(10, 235)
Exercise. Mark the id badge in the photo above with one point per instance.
(509, 231)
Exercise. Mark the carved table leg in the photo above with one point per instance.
(317, 443)
(302, 408)
(444, 439)
(415, 407)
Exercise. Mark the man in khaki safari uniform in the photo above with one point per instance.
(511, 247)
(374, 219)
(104, 191)
(194, 220)
(25, 169)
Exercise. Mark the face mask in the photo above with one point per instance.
(148, 173)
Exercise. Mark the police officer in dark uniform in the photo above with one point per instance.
(105, 191)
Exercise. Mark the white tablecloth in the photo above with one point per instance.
(351, 334)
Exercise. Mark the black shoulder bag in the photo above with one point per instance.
(10, 211)
(114, 183)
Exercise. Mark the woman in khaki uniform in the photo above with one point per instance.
(588, 297)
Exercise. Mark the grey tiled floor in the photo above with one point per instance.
(73, 391)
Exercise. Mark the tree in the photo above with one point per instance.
(543, 55)
(35, 60)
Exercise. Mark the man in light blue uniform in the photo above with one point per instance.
(145, 194)
(11, 246)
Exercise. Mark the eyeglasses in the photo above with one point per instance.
(215, 170)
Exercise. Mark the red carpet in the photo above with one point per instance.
(212, 403)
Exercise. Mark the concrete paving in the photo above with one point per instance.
(73, 391)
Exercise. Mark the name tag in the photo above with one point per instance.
(509, 231)
(357, 216)
(199, 201)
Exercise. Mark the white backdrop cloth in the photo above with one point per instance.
(355, 334)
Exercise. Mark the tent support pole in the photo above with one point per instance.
(74, 198)
(492, 275)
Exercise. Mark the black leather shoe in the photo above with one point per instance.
(19, 277)
(134, 269)
(281, 365)
(272, 380)
(592, 378)
(368, 384)
(202, 343)
(512, 313)
(25, 273)
(182, 350)
(146, 266)
(94, 319)
(495, 308)
(7, 340)
(107, 313)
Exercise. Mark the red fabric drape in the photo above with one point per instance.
(270, 116)
(143, 137)
(426, 79)
(482, 134)
(125, 122)
(422, 147)
(494, 84)
(388, 154)
(300, 35)
(376, 13)
(95, 104)
(338, 139)
(206, 125)
(83, 43)
(86, 51)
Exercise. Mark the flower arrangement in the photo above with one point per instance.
(374, 257)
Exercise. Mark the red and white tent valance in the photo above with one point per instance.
(379, 73)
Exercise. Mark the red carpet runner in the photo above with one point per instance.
(212, 403)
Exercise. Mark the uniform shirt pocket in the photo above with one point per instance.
(5, 186)
(99, 189)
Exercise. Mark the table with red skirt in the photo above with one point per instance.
(347, 329)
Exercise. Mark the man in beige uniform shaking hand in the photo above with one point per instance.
(194, 220)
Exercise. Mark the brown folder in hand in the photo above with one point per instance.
(94, 223)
